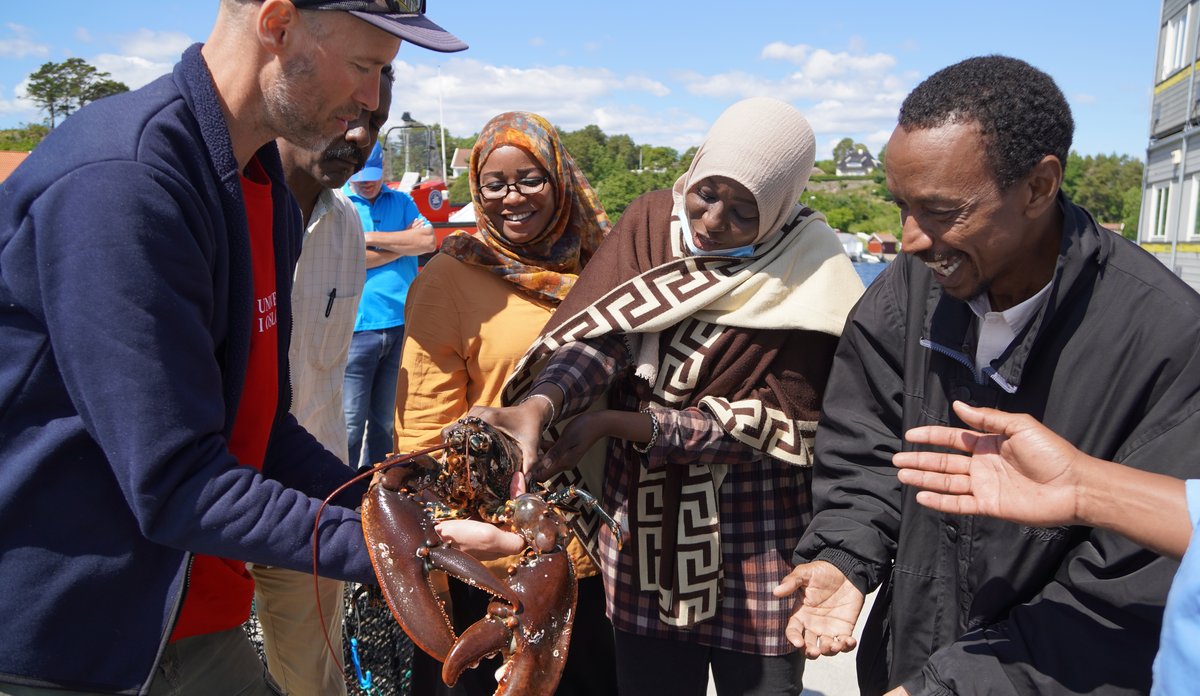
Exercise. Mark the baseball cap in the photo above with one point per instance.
(403, 18)
(373, 169)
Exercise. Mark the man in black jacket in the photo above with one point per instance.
(1007, 296)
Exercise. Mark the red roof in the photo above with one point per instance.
(9, 162)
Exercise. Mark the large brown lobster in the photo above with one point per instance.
(529, 623)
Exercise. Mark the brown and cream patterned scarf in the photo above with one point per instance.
(687, 312)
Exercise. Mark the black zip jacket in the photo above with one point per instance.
(973, 605)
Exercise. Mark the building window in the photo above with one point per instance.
(1193, 207)
(1159, 208)
(1174, 43)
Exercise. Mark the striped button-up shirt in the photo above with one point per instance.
(328, 283)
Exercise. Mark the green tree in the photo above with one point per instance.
(24, 138)
(1133, 211)
(655, 158)
(621, 154)
(459, 190)
(844, 146)
(61, 88)
(858, 209)
(1109, 186)
(589, 148)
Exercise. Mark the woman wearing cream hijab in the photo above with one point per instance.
(706, 326)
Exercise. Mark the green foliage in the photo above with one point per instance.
(828, 166)
(618, 190)
(1109, 186)
(855, 210)
(24, 138)
(1133, 211)
(459, 190)
(61, 88)
(659, 158)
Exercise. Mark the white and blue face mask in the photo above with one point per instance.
(739, 252)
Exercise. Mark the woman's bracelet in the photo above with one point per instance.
(553, 412)
(644, 449)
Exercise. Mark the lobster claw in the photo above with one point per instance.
(538, 636)
(404, 547)
(534, 634)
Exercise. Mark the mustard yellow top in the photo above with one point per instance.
(465, 329)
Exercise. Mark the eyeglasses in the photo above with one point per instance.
(496, 190)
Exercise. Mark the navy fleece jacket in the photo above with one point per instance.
(125, 310)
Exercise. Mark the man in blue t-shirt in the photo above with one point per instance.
(396, 234)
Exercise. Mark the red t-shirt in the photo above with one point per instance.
(219, 590)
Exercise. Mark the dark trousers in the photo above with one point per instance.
(656, 666)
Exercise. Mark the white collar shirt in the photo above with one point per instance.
(326, 288)
(997, 330)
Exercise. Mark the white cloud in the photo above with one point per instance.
(674, 128)
(142, 55)
(472, 92)
(843, 94)
(154, 46)
(823, 64)
(134, 71)
(19, 107)
(1083, 98)
(779, 50)
(21, 43)
(82, 34)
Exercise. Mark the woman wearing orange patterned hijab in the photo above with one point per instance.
(540, 221)
(472, 313)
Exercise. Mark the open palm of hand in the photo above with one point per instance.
(1016, 469)
(826, 609)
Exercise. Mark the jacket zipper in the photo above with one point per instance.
(166, 639)
(957, 357)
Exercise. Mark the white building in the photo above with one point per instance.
(1169, 226)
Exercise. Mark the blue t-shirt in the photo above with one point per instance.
(1177, 666)
(382, 302)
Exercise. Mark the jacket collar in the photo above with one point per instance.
(195, 85)
(950, 323)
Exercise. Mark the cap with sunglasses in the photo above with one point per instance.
(403, 18)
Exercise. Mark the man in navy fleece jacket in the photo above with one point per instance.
(146, 254)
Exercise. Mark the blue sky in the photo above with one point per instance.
(662, 70)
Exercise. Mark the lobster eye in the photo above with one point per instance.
(479, 442)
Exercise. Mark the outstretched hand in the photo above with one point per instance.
(826, 609)
(1016, 469)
